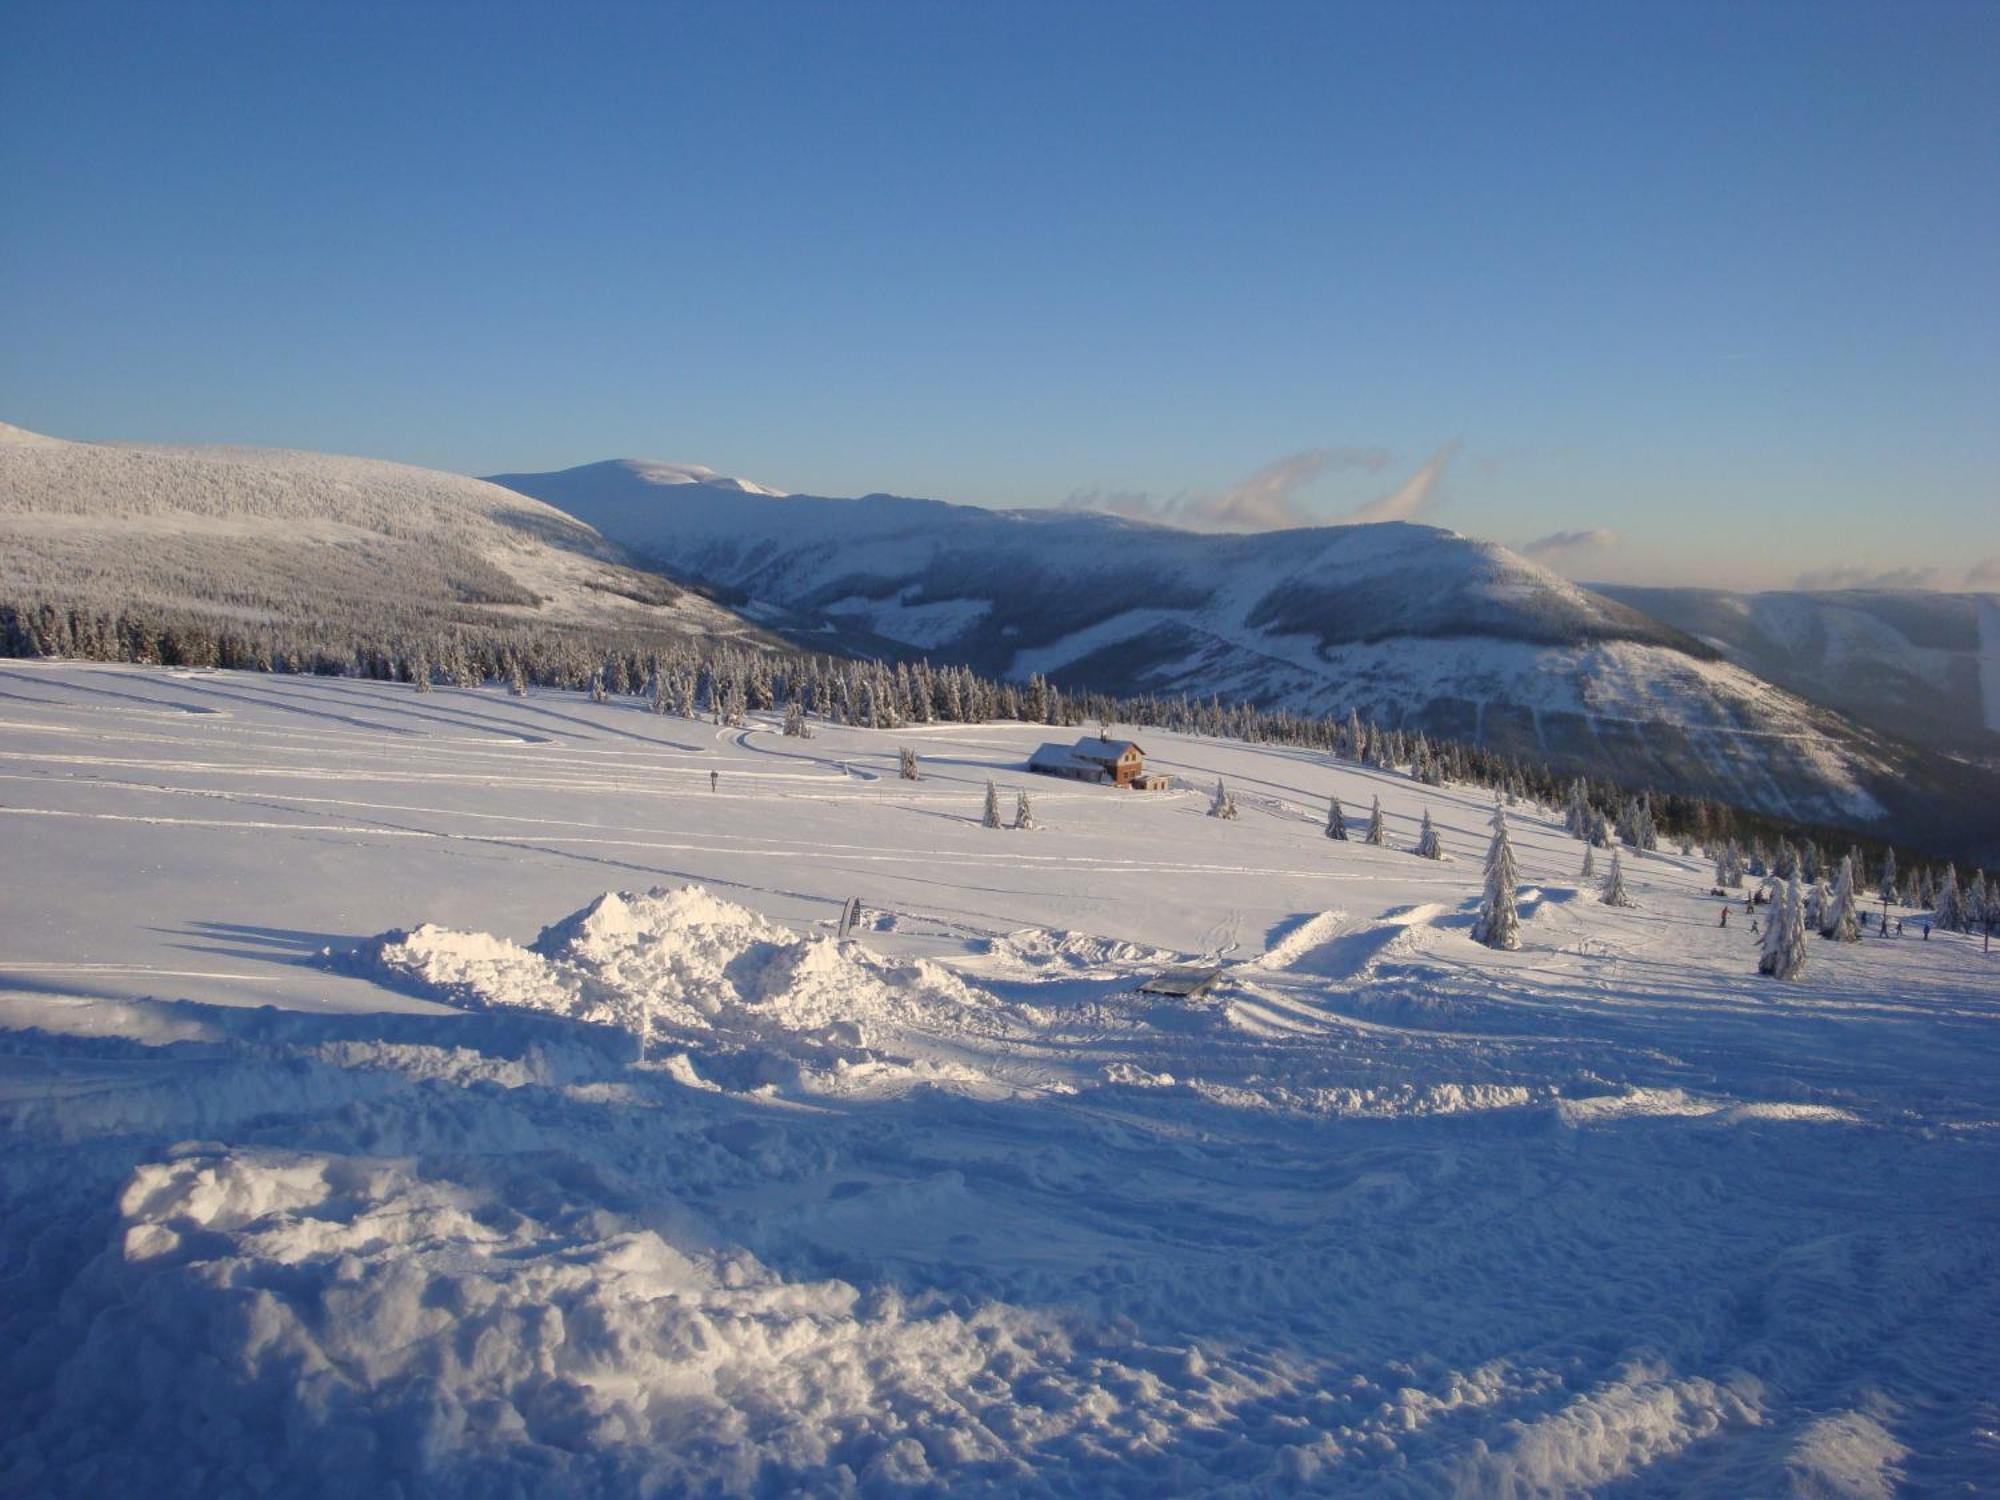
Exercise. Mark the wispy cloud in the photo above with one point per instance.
(1852, 577)
(1563, 546)
(1983, 575)
(1415, 498)
(1269, 500)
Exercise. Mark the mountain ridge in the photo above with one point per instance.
(257, 534)
(1404, 623)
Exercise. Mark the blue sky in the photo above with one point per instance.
(1719, 280)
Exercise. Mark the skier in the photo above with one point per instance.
(1725, 918)
(713, 777)
(1927, 932)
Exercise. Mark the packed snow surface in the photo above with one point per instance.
(454, 1095)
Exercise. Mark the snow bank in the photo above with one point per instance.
(683, 971)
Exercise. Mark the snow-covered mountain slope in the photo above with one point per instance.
(266, 534)
(642, 476)
(455, 1096)
(1409, 624)
(1921, 665)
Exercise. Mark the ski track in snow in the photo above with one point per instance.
(351, 1136)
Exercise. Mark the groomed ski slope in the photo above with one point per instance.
(358, 1134)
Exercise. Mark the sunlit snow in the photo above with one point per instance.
(455, 1092)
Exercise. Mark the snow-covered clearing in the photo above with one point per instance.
(356, 1133)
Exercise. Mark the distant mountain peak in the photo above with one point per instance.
(654, 471)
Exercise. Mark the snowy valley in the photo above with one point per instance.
(477, 1094)
(1412, 625)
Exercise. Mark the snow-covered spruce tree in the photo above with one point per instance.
(1589, 870)
(517, 679)
(1786, 865)
(1336, 821)
(992, 817)
(1819, 900)
(1615, 893)
(1378, 831)
(1024, 812)
(907, 764)
(1887, 890)
(1950, 910)
(1428, 846)
(1784, 953)
(1499, 924)
(1577, 816)
(1224, 805)
(1837, 917)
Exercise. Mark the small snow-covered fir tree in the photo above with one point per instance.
(1950, 905)
(795, 719)
(1837, 916)
(1378, 831)
(992, 817)
(1428, 846)
(1615, 893)
(1888, 887)
(1784, 952)
(1336, 821)
(1589, 870)
(517, 679)
(907, 764)
(1729, 866)
(1819, 901)
(1224, 805)
(1499, 923)
(1577, 816)
(597, 687)
(1024, 812)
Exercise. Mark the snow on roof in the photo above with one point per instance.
(1096, 749)
(1060, 755)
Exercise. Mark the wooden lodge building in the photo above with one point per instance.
(1107, 762)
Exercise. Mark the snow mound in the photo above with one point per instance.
(684, 971)
(378, 1328)
(1041, 949)
(1326, 947)
(1302, 940)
